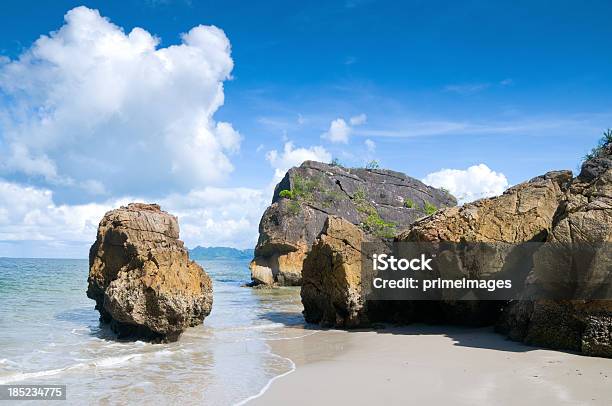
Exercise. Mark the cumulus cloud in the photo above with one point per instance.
(29, 215)
(91, 108)
(218, 216)
(91, 103)
(339, 130)
(291, 156)
(473, 183)
(32, 222)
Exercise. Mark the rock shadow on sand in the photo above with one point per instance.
(473, 337)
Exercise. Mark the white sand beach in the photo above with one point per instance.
(433, 365)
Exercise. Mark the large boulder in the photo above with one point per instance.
(331, 288)
(381, 202)
(141, 277)
(522, 213)
(583, 219)
(571, 216)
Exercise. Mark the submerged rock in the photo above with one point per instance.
(381, 202)
(141, 277)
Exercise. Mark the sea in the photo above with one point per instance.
(50, 334)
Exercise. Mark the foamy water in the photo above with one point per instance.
(49, 333)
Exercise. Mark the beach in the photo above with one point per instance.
(256, 349)
(433, 365)
(347, 202)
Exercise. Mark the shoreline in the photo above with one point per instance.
(293, 368)
(432, 364)
(267, 386)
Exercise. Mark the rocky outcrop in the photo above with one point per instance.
(331, 288)
(523, 213)
(141, 277)
(553, 208)
(381, 202)
(584, 218)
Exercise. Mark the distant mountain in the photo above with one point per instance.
(219, 253)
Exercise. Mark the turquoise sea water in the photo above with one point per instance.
(49, 333)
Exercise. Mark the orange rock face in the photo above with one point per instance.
(141, 277)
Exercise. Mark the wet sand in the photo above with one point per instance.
(432, 365)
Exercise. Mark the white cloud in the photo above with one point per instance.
(228, 137)
(358, 120)
(209, 216)
(473, 183)
(91, 103)
(29, 214)
(291, 156)
(218, 216)
(339, 130)
(370, 145)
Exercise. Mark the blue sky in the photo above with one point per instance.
(521, 87)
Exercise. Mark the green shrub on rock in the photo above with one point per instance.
(430, 208)
(604, 142)
(293, 208)
(409, 203)
(374, 224)
(360, 196)
(287, 194)
(304, 188)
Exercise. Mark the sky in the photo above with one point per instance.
(202, 106)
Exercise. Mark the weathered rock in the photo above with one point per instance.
(381, 202)
(522, 213)
(553, 208)
(141, 277)
(584, 217)
(582, 326)
(331, 288)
